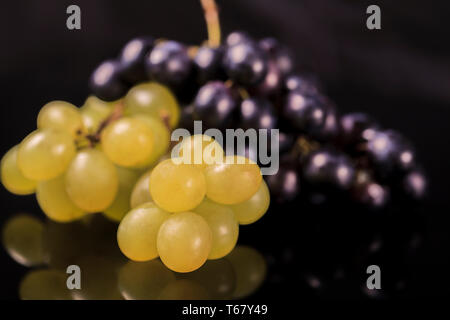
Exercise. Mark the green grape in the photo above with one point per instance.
(184, 242)
(127, 142)
(250, 269)
(184, 289)
(11, 176)
(121, 204)
(254, 208)
(22, 239)
(141, 191)
(55, 202)
(91, 181)
(61, 115)
(95, 111)
(144, 280)
(44, 285)
(235, 180)
(161, 139)
(217, 276)
(138, 230)
(177, 187)
(99, 279)
(224, 227)
(155, 100)
(45, 154)
(200, 150)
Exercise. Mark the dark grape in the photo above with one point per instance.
(245, 64)
(272, 82)
(237, 37)
(286, 142)
(329, 169)
(302, 83)
(215, 105)
(132, 59)
(208, 62)
(106, 81)
(187, 118)
(372, 195)
(304, 113)
(257, 113)
(279, 54)
(169, 64)
(356, 128)
(285, 184)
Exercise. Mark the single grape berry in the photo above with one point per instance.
(257, 113)
(132, 59)
(372, 195)
(208, 64)
(279, 54)
(272, 82)
(245, 64)
(169, 63)
(328, 169)
(215, 105)
(304, 113)
(106, 81)
(284, 186)
(415, 184)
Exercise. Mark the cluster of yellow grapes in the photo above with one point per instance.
(187, 209)
(86, 160)
(113, 158)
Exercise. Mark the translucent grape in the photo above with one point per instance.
(61, 115)
(12, 178)
(121, 204)
(155, 100)
(22, 238)
(44, 285)
(141, 191)
(144, 280)
(224, 227)
(91, 181)
(184, 289)
(94, 111)
(177, 187)
(254, 208)
(250, 269)
(161, 139)
(184, 241)
(138, 231)
(45, 154)
(200, 150)
(127, 142)
(235, 180)
(55, 202)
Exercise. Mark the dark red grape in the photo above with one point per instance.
(257, 113)
(215, 105)
(301, 83)
(237, 37)
(415, 184)
(245, 64)
(372, 195)
(284, 186)
(169, 63)
(208, 63)
(356, 128)
(279, 54)
(132, 59)
(106, 81)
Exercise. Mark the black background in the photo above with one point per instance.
(400, 75)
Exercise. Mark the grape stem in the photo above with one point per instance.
(212, 22)
(116, 114)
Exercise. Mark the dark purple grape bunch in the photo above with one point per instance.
(245, 83)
